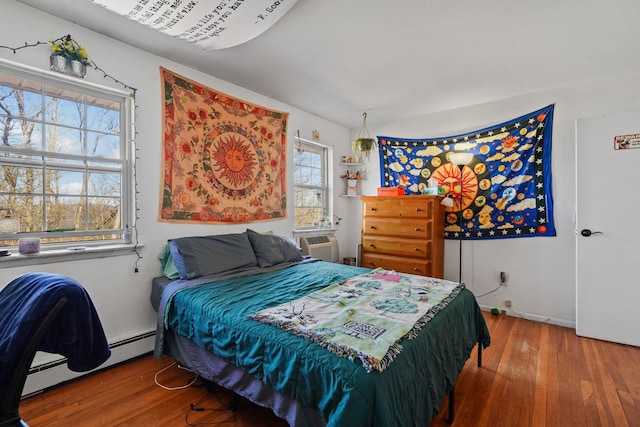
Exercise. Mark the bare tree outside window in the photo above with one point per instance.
(65, 172)
(310, 183)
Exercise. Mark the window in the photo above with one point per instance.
(64, 158)
(310, 182)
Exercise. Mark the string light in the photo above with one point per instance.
(26, 45)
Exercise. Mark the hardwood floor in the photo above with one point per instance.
(533, 374)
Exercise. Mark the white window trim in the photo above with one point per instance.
(328, 202)
(60, 251)
(72, 253)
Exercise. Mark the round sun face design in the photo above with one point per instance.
(233, 160)
(475, 189)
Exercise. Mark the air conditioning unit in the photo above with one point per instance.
(323, 247)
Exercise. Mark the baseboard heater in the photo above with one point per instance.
(322, 247)
(52, 364)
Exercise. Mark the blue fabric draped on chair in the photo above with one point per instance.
(46, 312)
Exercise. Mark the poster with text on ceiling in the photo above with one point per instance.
(209, 24)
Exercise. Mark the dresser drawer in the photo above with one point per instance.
(399, 264)
(403, 227)
(399, 206)
(417, 248)
(403, 233)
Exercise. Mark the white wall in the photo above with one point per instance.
(120, 295)
(541, 269)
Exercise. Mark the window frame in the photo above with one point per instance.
(301, 143)
(125, 161)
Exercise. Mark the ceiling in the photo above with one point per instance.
(398, 60)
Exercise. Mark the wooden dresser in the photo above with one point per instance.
(403, 233)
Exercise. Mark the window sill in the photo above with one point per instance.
(46, 256)
(307, 232)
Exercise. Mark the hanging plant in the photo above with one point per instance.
(67, 47)
(363, 144)
(68, 57)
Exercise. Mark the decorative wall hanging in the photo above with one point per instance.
(506, 186)
(68, 57)
(224, 159)
(210, 24)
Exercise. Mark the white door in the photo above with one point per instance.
(608, 229)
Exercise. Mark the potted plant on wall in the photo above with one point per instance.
(68, 57)
(363, 144)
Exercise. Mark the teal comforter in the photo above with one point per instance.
(409, 392)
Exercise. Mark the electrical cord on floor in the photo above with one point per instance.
(181, 387)
(197, 407)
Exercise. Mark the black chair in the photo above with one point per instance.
(46, 312)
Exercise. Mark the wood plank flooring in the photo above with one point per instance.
(533, 374)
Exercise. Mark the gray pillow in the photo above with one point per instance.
(271, 249)
(201, 255)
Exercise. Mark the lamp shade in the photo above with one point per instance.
(447, 201)
(460, 158)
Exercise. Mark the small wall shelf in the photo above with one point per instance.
(354, 168)
(351, 169)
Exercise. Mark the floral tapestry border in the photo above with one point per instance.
(224, 159)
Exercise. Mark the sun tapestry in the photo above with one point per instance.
(224, 159)
(506, 187)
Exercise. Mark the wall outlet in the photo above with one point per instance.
(507, 303)
(503, 278)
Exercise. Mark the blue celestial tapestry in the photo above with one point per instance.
(506, 187)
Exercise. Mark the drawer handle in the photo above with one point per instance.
(373, 209)
(371, 245)
(415, 269)
(372, 227)
(416, 249)
(418, 210)
(416, 229)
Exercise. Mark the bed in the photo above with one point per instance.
(205, 322)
